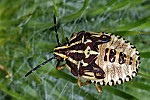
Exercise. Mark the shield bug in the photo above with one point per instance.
(99, 58)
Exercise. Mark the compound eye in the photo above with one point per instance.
(105, 38)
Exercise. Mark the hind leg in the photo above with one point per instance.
(98, 87)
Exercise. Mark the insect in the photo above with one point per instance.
(99, 58)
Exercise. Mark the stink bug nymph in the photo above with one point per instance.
(99, 58)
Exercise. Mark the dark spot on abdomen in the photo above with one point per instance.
(112, 55)
(122, 58)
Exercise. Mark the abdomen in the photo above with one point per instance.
(119, 60)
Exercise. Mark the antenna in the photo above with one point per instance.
(35, 68)
(55, 29)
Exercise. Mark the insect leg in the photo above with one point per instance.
(60, 67)
(80, 83)
(98, 87)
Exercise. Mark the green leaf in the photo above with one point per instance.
(120, 93)
(76, 15)
(12, 93)
(145, 54)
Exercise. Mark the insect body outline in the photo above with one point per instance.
(99, 58)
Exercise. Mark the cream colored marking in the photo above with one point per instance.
(88, 40)
(74, 36)
(93, 52)
(79, 62)
(88, 77)
(66, 57)
(91, 74)
(78, 42)
(97, 35)
(110, 83)
(101, 83)
(82, 40)
(119, 81)
(84, 64)
(76, 51)
(73, 61)
(61, 55)
(89, 52)
(85, 52)
(64, 47)
(68, 67)
(127, 79)
(108, 55)
(133, 74)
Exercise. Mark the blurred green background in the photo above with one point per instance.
(27, 38)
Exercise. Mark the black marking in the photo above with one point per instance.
(92, 46)
(136, 63)
(122, 58)
(132, 46)
(107, 83)
(137, 53)
(98, 83)
(112, 55)
(77, 56)
(90, 59)
(98, 72)
(120, 79)
(104, 39)
(73, 67)
(72, 35)
(93, 68)
(98, 40)
(127, 77)
(87, 36)
(134, 73)
(138, 58)
(130, 62)
(81, 63)
(105, 56)
(126, 41)
(80, 46)
(119, 37)
(103, 83)
(78, 37)
(112, 82)
(111, 34)
(137, 69)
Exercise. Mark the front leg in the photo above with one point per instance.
(80, 83)
(60, 67)
(98, 87)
